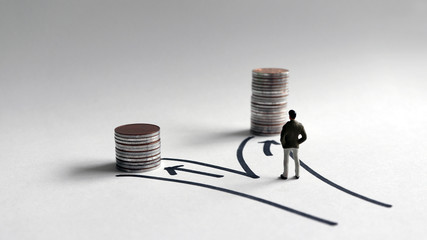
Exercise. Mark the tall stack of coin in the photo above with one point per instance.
(137, 147)
(269, 100)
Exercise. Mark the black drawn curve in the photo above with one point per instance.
(314, 173)
(261, 200)
(242, 160)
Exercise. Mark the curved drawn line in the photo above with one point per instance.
(206, 165)
(314, 173)
(261, 200)
(242, 160)
(267, 146)
(201, 173)
(266, 149)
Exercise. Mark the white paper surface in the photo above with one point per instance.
(73, 71)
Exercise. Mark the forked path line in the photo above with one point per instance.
(250, 173)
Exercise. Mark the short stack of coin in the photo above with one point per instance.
(269, 100)
(137, 147)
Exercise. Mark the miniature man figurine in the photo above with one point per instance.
(290, 142)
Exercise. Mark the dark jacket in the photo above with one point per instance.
(290, 132)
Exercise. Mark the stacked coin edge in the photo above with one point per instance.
(137, 152)
(269, 100)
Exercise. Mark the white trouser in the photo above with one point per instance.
(286, 152)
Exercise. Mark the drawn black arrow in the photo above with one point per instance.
(172, 171)
(267, 145)
(208, 165)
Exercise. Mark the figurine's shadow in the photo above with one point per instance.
(94, 171)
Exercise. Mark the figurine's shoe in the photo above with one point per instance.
(282, 177)
(297, 177)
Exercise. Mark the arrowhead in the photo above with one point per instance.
(171, 170)
(267, 145)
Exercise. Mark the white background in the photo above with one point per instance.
(72, 71)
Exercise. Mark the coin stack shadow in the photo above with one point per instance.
(269, 100)
(137, 147)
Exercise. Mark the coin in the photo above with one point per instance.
(138, 170)
(140, 160)
(270, 72)
(138, 147)
(138, 163)
(129, 154)
(137, 166)
(136, 140)
(142, 129)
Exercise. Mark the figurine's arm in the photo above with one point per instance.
(303, 135)
(283, 135)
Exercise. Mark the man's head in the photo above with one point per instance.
(292, 114)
